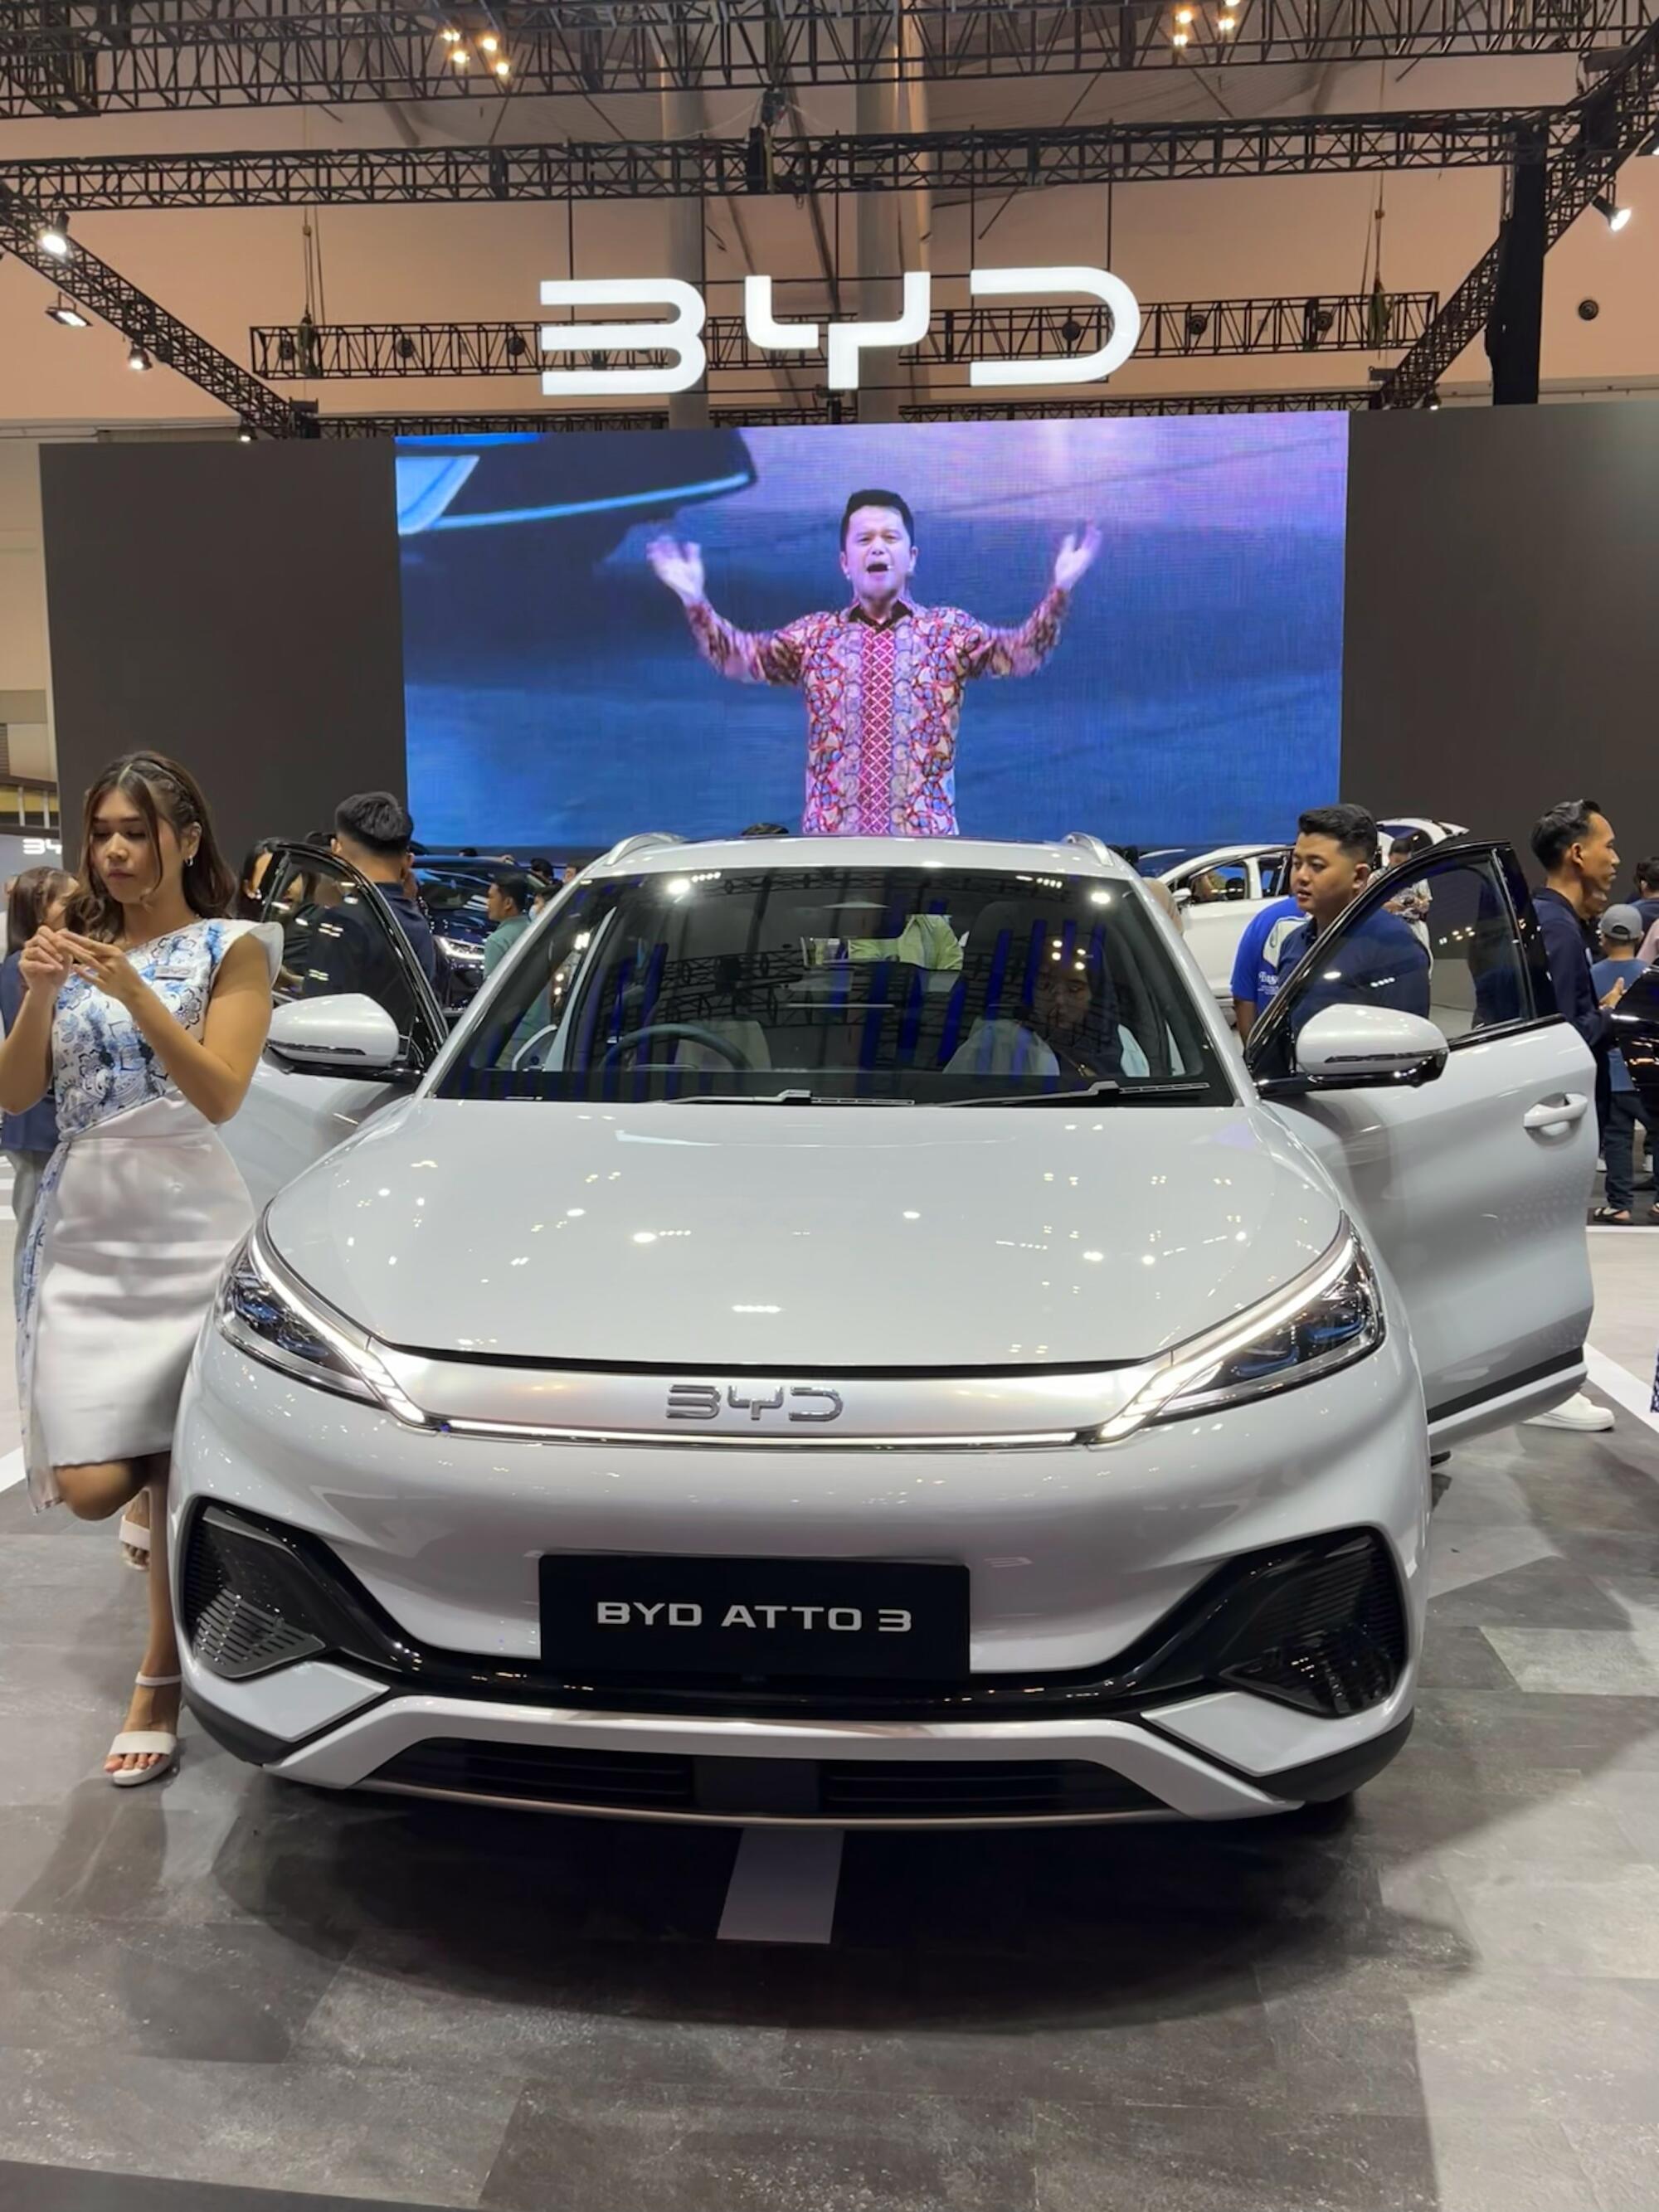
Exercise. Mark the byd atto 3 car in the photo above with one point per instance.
(840, 1334)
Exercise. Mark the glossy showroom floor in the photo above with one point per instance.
(261, 1998)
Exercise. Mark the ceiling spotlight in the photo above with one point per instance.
(245, 435)
(460, 57)
(53, 238)
(139, 357)
(1179, 38)
(1184, 14)
(1614, 215)
(503, 68)
(1226, 23)
(450, 35)
(489, 42)
(1432, 403)
(71, 317)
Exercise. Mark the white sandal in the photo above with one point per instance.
(162, 1743)
(135, 1537)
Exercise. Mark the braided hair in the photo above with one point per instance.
(160, 790)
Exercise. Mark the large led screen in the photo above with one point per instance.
(621, 631)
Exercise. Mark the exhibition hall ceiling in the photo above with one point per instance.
(226, 270)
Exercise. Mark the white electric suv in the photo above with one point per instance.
(839, 1333)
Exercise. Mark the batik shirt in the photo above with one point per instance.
(883, 702)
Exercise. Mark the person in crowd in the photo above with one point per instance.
(1381, 962)
(1067, 1028)
(1618, 966)
(251, 883)
(1412, 905)
(375, 832)
(884, 676)
(764, 830)
(144, 1014)
(1574, 846)
(1256, 963)
(507, 904)
(1646, 901)
(37, 901)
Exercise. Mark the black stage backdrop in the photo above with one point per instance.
(236, 606)
(1501, 647)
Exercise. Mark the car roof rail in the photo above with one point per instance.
(642, 841)
(1096, 847)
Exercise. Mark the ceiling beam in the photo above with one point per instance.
(61, 58)
(1616, 119)
(102, 291)
(958, 162)
(1170, 330)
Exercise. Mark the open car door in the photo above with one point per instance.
(343, 952)
(1471, 1184)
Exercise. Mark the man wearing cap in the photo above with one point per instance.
(1618, 968)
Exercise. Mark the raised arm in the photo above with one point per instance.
(215, 1071)
(1022, 652)
(767, 656)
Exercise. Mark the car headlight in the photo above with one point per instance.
(264, 1312)
(463, 953)
(1326, 1319)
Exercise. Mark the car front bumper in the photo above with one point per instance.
(1075, 1556)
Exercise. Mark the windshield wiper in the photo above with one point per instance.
(784, 1098)
(1109, 1091)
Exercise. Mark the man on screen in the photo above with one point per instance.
(882, 677)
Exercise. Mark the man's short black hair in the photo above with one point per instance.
(378, 821)
(1647, 874)
(878, 499)
(1353, 827)
(1567, 823)
(516, 885)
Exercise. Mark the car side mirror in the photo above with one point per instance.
(1184, 899)
(348, 1036)
(1352, 1048)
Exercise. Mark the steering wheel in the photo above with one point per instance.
(692, 1032)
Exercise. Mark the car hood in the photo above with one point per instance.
(804, 1237)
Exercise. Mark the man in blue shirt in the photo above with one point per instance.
(1379, 963)
(1256, 964)
(1574, 846)
(1622, 931)
(375, 832)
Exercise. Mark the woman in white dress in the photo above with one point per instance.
(145, 1014)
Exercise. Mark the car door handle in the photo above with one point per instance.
(1557, 1113)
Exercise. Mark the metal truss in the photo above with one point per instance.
(1617, 119)
(758, 418)
(963, 162)
(94, 285)
(60, 58)
(1186, 329)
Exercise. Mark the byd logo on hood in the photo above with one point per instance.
(847, 342)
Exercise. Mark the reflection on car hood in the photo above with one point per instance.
(803, 1237)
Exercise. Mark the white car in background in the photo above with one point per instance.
(838, 1333)
(1220, 888)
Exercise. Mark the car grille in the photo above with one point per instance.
(239, 1601)
(849, 1792)
(1332, 1638)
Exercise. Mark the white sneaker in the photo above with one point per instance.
(1578, 1412)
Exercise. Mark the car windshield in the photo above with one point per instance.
(855, 985)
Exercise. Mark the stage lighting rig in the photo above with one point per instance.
(53, 238)
(71, 317)
(1612, 214)
(138, 358)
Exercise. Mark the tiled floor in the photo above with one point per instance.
(1450, 2000)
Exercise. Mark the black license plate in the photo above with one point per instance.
(625, 1614)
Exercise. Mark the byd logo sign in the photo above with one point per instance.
(848, 342)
